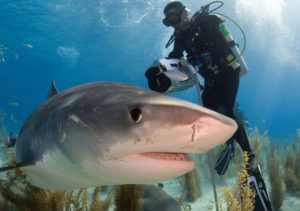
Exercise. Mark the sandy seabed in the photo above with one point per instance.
(207, 202)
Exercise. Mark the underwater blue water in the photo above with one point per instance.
(74, 42)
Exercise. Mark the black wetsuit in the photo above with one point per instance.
(203, 40)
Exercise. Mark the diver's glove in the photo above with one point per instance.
(224, 158)
(184, 62)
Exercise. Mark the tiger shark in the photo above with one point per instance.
(106, 133)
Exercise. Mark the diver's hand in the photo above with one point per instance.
(184, 62)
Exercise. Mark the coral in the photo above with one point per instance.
(292, 169)
(127, 197)
(276, 181)
(241, 197)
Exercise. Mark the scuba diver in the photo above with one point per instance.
(211, 50)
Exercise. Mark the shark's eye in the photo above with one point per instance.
(136, 115)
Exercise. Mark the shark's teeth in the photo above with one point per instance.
(167, 156)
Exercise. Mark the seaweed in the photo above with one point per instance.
(192, 186)
(23, 196)
(292, 169)
(242, 196)
(127, 197)
(259, 142)
(276, 180)
(234, 166)
(3, 133)
(298, 133)
(19, 194)
(79, 201)
(96, 204)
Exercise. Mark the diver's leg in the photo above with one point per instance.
(228, 86)
(261, 200)
(224, 157)
(242, 139)
(212, 97)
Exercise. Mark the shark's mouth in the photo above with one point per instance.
(167, 156)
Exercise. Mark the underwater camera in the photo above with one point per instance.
(167, 75)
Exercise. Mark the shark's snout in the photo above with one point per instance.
(180, 119)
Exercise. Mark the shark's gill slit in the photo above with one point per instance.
(136, 115)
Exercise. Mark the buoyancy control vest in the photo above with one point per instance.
(210, 33)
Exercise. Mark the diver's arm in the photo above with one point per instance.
(177, 51)
(175, 54)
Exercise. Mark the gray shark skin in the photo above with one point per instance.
(106, 133)
(156, 199)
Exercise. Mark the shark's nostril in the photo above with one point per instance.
(136, 115)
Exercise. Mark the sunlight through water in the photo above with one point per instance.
(273, 31)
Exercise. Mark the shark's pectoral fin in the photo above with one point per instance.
(17, 165)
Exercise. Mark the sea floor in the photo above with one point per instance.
(207, 203)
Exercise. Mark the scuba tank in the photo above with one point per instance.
(167, 75)
(236, 60)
